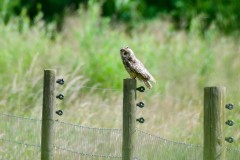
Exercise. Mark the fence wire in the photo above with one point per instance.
(20, 138)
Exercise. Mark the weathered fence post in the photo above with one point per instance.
(129, 118)
(47, 114)
(214, 99)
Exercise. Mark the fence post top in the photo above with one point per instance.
(129, 79)
(215, 87)
(54, 70)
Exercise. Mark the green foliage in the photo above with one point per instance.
(7, 9)
(52, 10)
(222, 14)
(128, 10)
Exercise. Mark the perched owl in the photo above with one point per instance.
(135, 68)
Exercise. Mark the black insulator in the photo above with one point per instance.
(229, 139)
(59, 112)
(229, 106)
(140, 104)
(60, 81)
(140, 89)
(60, 96)
(229, 122)
(141, 120)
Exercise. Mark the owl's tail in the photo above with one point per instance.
(148, 84)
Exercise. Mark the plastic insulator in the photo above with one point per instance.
(229, 139)
(60, 96)
(229, 106)
(59, 112)
(140, 104)
(140, 89)
(229, 123)
(60, 81)
(140, 120)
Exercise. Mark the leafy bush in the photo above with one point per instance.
(223, 14)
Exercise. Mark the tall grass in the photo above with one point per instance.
(86, 53)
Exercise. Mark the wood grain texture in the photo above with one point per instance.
(129, 118)
(214, 100)
(47, 114)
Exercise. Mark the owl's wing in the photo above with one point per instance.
(139, 68)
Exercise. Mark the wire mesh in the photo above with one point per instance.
(157, 148)
(86, 142)
(233, 154)
(20, 139)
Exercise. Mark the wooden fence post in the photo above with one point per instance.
(47, 114)
(214, 100)
(129, 118)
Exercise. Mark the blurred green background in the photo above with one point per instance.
(223, 13)
(186, 45)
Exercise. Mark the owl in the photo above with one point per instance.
(135, 68)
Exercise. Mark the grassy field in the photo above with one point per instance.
(86, 55)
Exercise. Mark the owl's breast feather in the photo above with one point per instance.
(127, 65)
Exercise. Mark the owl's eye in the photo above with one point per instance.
(125, 53)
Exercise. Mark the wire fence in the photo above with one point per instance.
(20, 138)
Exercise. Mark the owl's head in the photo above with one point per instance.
(126, 52)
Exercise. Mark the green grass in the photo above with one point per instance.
(86, 53)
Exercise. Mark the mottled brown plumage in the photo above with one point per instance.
(135, 68)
